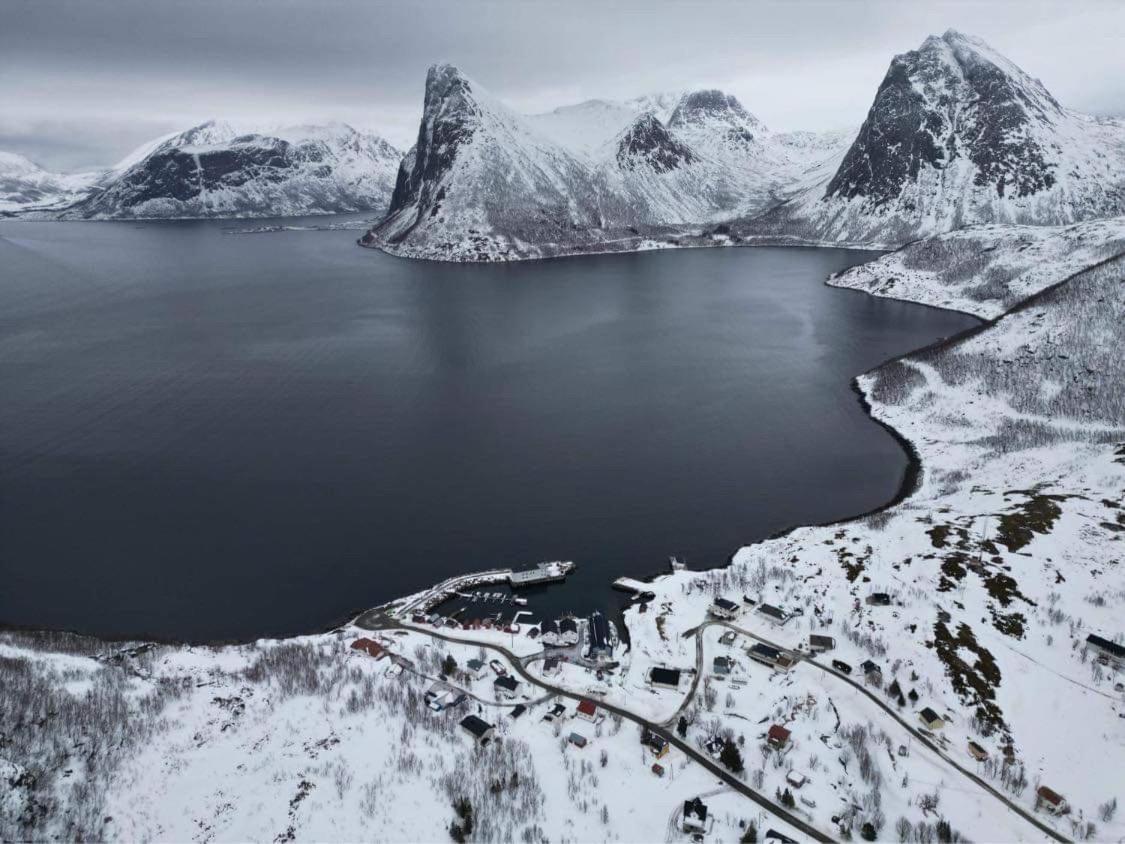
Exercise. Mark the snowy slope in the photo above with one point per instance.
(986, 270)
(485, 183)
(219, 170)
(958, 135)
(24, 185)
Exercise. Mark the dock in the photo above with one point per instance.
(553, 572)
(634, 587)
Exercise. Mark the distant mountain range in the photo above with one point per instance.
(217, 170)
(957, 135)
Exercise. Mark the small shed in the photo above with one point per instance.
(778, 737)
(728, 638)
(517, 710)
(879, 599)
(577, 739)
(796, 779)
(1051, 801)
(930, 719)
(658, 769)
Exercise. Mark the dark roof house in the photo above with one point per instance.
(478, 728)
(695, 816)
(666, 677)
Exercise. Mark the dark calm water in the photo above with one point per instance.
(208, 435)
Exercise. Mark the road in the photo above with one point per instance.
(376, 619)
(917, 734)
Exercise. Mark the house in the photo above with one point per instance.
(695, 816)
(665, 678)
(505, 687)
(722, 666)
(568, 631)
(774, 614)
(728, 638)
(549, 634)
(872, 673)
(551, 665)
(555, 713)
(587, 710)
(475, 668)
(600, 641)
(370, 647)
(577, 740)
(1107, 651)
(723, 608)
(517, 711)
(879, 599)
(657, 744)
(440, 696)
(796, 779)
(478, 728)
(658, 769)
(820, 644)
(780, 838)
(977, 752)
(778, 737)
(714, 746)
(763, 654)
(770, 656)
(1050, 800)
(930, 719)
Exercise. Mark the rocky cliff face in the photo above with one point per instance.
(212, 170)
(959, 135)
(485, 183)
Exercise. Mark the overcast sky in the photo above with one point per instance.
(82, 82)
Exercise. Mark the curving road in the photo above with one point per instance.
(917, 734)
(376, 619)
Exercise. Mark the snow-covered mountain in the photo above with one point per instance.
(24, 185)
(218, 170)
(483, 182)
(959, 135)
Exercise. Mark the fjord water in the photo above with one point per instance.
(208, 435)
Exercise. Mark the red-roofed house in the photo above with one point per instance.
(778, 737)
(588, 709)
(370, 647)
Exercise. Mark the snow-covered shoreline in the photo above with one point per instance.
(996, 568)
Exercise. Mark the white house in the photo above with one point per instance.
(722, 608)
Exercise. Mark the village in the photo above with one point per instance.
(747, 688)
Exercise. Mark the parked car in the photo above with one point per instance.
(841, 666)
(497, 666)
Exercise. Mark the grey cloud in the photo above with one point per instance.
(94, 76)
